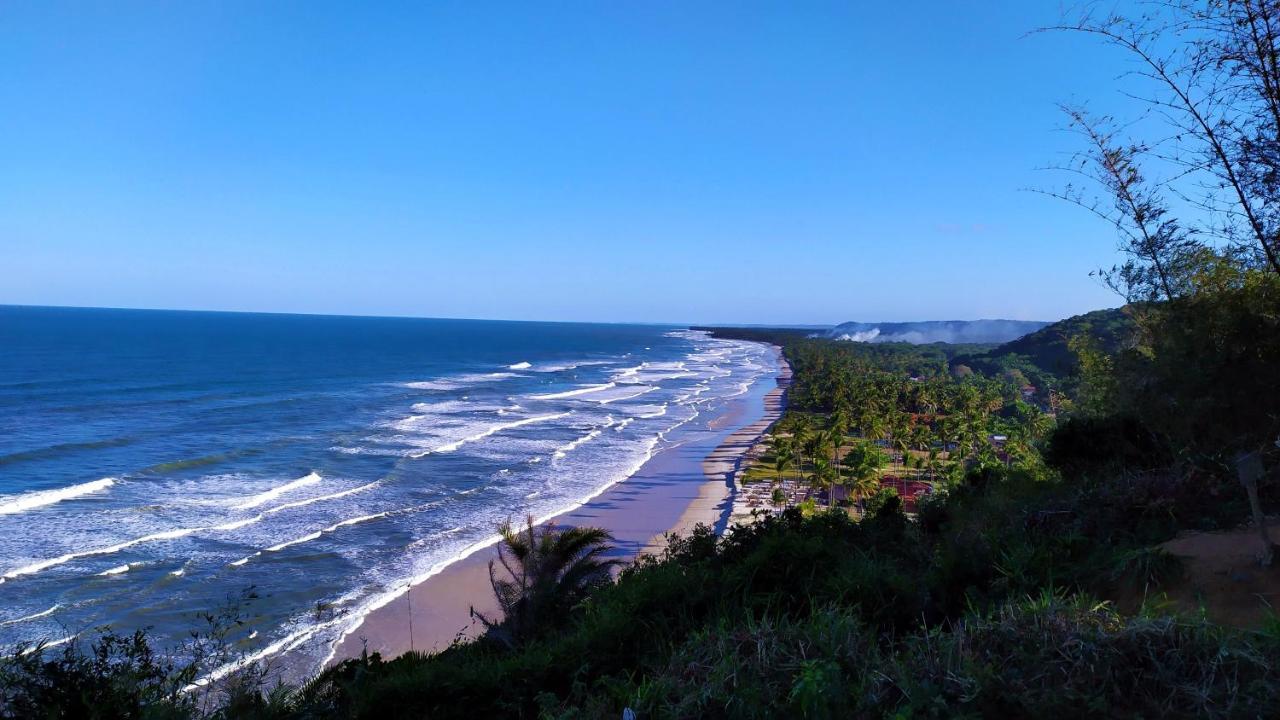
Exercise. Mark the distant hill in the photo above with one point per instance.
(932, 331)
(1047, 347)
(1044, 357)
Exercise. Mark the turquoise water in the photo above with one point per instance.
(154, 463)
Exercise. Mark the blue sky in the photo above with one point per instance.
(616, 161)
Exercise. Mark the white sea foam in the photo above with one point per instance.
(584, 390)
(431, 385)
(358, 450)
(564, 367)
(443, 406)
(51, 643)
(657, 377)
(520, 366)
(28, 501)
(459, 381)
(296, 636)
(165, 535)
(576, 443)
(450, 447)
(116, 570)
(110, 549)
(33, 616)
(647, 389)
(628, 372)
(662, 410)
(300, 629)
(322, 498)
(385, 598)
(317, 534)
(284, 644)
(310, 478)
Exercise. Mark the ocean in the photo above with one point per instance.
(155, 465)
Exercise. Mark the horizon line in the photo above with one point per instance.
(658, 323)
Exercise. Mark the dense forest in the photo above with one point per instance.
(1049, 570)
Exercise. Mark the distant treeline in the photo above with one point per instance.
(1043, 359)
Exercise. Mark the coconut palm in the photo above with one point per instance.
(782, 457)
(920, 437)
(815, 447)
(864, 462)
(1039, 423)
(801, 434)
(824, 477)
(862, 487)
(832, 439)
(548, 572)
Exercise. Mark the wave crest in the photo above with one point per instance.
(22, 503)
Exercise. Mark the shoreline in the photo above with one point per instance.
(690, 482)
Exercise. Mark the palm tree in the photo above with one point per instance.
(549, 572)
(800, 435)
(814, 447)
(833, 438)
(778, 498)
(920, 437)
(873, 427)
(1039, 423)
(824, 476)
(900, 437)
(782, 457)
(862, 487)
(864, 462)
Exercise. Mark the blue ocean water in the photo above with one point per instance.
(155, 463)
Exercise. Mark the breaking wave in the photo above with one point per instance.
(310, 478)
(584, 390)
(29, 501)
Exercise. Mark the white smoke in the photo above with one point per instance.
(864, 336)
(932, 331)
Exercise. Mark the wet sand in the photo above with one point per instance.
(687, 483)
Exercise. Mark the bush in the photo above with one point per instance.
(884, 496)
(817, 667)
(1106, 445)
(1062, 658)
(113, 676)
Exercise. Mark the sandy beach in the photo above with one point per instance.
(687, 483)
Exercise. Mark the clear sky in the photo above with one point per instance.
(682, 161)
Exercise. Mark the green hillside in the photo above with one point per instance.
(1044, 356)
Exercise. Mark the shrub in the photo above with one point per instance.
(1106, 445)
(881, 498)
(1062, 658)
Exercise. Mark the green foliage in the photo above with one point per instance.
(105, 674)
(1146, 568)
(546, 572)
(112, 676)
(1055, 658)
(1045, 357)
(1208, 375)
(1097, 446)
(883, 498)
